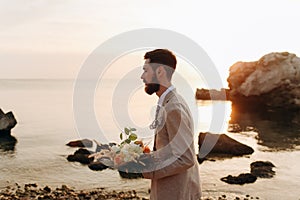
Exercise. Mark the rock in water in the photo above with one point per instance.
(80, 143)
(7, 143)
(7, 122)
(273, 80)
(262, 169)
(82, 156)
(221, 145)
(212, 94)
(240, 179)
(97, 166)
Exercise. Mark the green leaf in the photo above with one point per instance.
(121, 136)
(127, 140)
(132, 136)
(127, 131)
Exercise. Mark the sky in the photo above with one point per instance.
(52, 38)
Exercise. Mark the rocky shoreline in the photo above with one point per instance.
(272, 82)
(33, 191)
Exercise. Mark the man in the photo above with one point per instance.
(174, 172)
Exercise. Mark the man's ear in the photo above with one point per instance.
(160, 71)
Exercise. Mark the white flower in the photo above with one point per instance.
(115, 148)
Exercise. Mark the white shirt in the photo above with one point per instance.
(163, 96)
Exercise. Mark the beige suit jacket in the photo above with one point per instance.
(175, 172)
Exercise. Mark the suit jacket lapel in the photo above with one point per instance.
(169, 96)
(166, 100)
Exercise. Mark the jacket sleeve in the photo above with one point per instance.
(179, 154)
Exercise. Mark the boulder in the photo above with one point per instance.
(7, 142)
(240, 179)
(82, 156)
(7, 122)
(220, 145)
(262, 169)
(259, 169)
(272, 81)
(81, 143)
(97, 166)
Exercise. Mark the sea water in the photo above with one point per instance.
(45, 114)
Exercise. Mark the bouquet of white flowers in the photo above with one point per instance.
(129, 157)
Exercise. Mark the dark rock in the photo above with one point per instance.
(220, 145)
(83, 159)
(7, 122)
(83, 151)
(7, 142)
(205, 94)
(30, 185)
(82, 156)
(262, 169)
(97, 166)
(47, 189)
(81, 143)
(240, 179)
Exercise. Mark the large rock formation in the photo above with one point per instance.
(273, 81)
(7, 122)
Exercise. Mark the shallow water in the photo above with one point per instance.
(43, 109)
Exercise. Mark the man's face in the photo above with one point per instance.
(149, 78)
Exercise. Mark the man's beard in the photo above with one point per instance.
(150, 88)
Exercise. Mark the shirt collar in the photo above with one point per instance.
(163, 96)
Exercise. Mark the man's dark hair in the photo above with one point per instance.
(162, 56)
